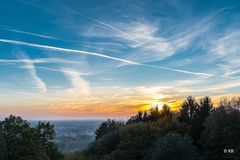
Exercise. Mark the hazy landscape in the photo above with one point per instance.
(75, 135)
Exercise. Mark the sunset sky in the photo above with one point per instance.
(73, 59)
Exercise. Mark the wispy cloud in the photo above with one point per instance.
(63, 71)
(152, 45)
(38, 82)
(40, 60)
(149, 41)
(99, 55)
(101, 24)
(80, 86)
(107, 79)
(226, 45)
(6, 28)
(111, 27)
(225, 48)
(188, 82)
(217, 88)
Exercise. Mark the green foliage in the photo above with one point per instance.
(136, 139)
(173, 146)
(20, 141)
(107, 127)
(104, 145)
(222, 130)
(171, 124)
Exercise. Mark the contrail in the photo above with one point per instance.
(181, 71)
(29, 33)
(99, 55)
(106, 26)
(66, 50)
(113, 28)
(11, 29)
(39, 60)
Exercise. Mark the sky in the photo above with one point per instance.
(107, 58)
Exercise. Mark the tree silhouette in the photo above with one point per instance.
(139, 117)
(154, 114)
(202, 112)
(194, 114)
(165, 111)
(188, 110)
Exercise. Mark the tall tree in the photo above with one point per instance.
(194, 114)
(165, 111)
(205, 107)
(19, 138)
(47, 134)
(154, 114)
(188, 110)
(107, 127)
(202, 112)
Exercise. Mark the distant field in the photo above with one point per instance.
(74, 135)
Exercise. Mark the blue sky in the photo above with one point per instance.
(104, 58)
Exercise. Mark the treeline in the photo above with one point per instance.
(20, 141)
(198, 131)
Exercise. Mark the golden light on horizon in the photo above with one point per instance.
(157, 104)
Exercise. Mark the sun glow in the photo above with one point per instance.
(157, 104)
